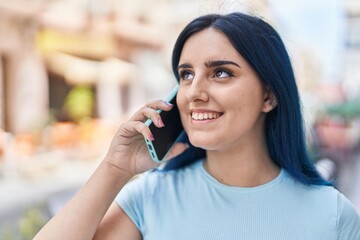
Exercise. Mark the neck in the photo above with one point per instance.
(247, 166)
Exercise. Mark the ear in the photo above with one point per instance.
(270, 101)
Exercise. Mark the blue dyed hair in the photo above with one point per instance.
(261, 46)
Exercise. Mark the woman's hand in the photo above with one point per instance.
(127, 156)
(128, 151)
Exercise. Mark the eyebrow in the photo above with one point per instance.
(218, 63)
(184, 65)
(215, 63)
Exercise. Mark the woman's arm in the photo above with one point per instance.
(81, 216)
(127, 156)
(116, 224)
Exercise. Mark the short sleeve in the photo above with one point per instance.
(133, 197)
(348, 221)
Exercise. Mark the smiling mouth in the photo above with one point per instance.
(205, 115)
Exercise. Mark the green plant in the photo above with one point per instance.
(32, 221)
(6, 233)
(347, 110)
(79, 102)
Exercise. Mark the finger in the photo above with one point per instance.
(151, 110)
(149, 113)
(144, 130)
(160, 104)
(177, 149)
(135, 127)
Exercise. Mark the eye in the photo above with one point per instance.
(186, 75)
(222, 73)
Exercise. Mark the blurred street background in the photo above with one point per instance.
(71, 71)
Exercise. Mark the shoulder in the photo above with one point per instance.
(154, 180)
(319, 199)
(327, 201)
(147, 188)
(348, 219)
(325, 195)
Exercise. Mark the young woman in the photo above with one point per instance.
(246, 173)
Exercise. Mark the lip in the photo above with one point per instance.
(202, 110)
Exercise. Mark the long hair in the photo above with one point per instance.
(261, 46)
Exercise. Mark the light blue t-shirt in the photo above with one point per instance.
(190, 204)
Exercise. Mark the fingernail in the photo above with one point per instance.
(151, 137)
(168, 104)
(160, 123)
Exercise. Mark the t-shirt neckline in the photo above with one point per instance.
(213, 181)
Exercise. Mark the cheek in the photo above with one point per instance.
(243, 107)
(251, 94)
(181, 101)
(182, 105)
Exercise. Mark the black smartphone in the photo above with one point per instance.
(165, 137)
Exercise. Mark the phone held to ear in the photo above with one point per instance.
(165, 137)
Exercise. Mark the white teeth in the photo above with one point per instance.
(204, 116)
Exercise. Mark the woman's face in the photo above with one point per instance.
(221, 100)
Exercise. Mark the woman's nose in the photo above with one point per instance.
(198, 90)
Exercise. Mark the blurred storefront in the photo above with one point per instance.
(67, 69)
(71, 71)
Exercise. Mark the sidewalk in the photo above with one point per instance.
(19, 193)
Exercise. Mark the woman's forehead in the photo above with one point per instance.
(209, 45)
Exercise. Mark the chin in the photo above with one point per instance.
(204, 143)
